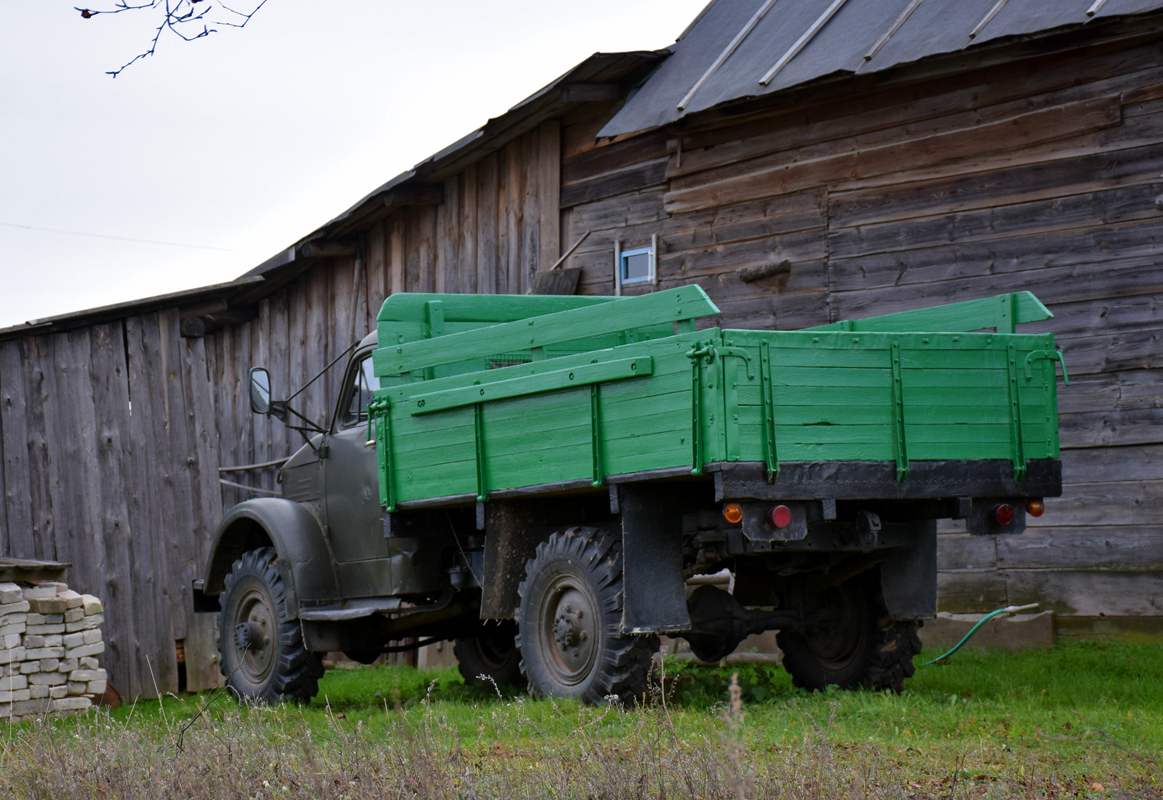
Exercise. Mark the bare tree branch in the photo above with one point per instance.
(186, 19)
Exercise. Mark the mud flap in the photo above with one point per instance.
(513, 529)
(908, 576)
(652, 580)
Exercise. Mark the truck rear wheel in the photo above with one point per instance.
(570, 619)
(491, 657)
(855, 643)
(259, 640)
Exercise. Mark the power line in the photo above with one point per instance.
(116, 238)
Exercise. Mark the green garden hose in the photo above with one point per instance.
(973, 630)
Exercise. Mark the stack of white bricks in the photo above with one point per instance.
(50, 638)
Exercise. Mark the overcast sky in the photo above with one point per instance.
(202, 161)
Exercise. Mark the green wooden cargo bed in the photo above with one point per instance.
(496, 396)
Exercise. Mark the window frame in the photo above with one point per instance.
(623, 263)
(620, 265)
(350, 386)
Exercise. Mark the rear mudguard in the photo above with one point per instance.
(908, 575)
(305, 560)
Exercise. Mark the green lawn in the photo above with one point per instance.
(1083, 720)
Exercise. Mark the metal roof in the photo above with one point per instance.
(739, 49)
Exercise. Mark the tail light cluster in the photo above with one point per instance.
(1003, 513)
(779, 516)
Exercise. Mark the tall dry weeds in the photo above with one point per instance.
(607, 753)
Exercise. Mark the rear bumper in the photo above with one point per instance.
(866, 480)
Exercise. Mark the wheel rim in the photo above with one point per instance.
(839, 637)
(568, 631)
(254, 634)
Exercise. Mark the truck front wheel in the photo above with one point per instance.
(570, 622)
(852, 642)
(259, 640)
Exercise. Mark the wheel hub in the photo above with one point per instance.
(248, 635)
(567, 629)
(254, 626)
(569, 632)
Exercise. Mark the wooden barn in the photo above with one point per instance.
(804, 162)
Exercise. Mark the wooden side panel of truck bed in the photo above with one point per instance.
(535, 408)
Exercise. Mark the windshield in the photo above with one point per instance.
(359, 391)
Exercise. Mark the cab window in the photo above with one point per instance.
(358, 393)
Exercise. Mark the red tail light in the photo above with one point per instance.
(780, 516)
(1003, 515)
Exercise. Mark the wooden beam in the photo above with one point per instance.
(590, 92)
(327, 249)
(19, 569)
(202, 309)
(421, 194)
(193, 319)
(760, 271)
(230, 316)
(193, 327)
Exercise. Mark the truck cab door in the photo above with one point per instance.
(351, 504)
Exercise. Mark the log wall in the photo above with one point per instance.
(1038, 174)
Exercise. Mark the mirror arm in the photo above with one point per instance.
(310, 426)
(278, 410)
(306, 432)
(306, 438)
(321, 372)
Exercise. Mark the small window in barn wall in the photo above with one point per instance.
(636, 266)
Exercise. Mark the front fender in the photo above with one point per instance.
(305, 560)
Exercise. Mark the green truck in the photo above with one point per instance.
(538, 479)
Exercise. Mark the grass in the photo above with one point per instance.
(1085, 720)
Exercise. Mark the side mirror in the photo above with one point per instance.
(260, 390)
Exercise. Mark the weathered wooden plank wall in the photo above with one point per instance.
(487, 236)
(703, 247)
(1040, 174)
(109, 465)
